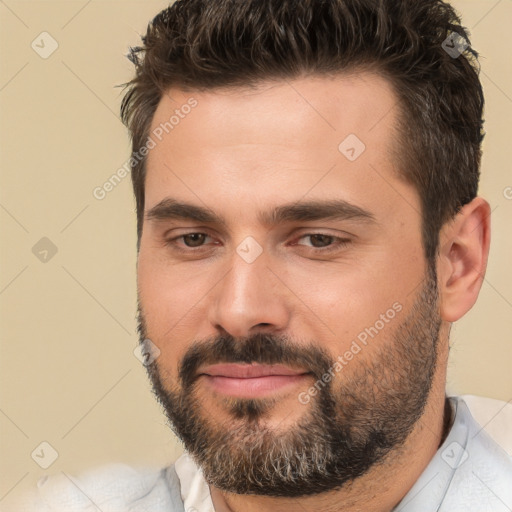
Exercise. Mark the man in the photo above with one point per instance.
(306, 177)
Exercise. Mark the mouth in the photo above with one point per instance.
(250, 381)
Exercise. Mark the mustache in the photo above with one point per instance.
(261, 348)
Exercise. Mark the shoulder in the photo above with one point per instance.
(108, 488)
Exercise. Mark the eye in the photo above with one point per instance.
(319, 240)
(322, 242)
(194, 239)
(190, 240)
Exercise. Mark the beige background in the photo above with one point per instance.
(68, 373)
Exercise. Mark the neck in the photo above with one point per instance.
(381, 488)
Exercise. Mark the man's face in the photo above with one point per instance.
(343, 302)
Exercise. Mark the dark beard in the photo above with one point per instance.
(342, 433)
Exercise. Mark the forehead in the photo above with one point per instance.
(282, 110)
(277, 142)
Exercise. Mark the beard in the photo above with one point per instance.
(349, 426)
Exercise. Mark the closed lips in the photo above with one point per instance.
(238, 371)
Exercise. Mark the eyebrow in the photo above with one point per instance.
(305, 211)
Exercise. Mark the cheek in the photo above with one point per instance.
(358, 302)
(167, 290)
(167, 298)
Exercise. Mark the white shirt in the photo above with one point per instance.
(471, 472)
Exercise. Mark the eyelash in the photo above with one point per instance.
(341, 242)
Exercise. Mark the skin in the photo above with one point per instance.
(241, 151)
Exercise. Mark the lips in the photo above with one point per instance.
(251, 381)
(244, 371)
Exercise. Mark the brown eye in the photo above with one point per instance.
(192, 243)
(321, 240)
(194, 239)
(322, 243)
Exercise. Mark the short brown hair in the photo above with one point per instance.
(208, 44)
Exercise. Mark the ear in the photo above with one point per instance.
(462, 261)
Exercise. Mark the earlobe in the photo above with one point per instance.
(462, 261)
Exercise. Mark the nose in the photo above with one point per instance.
(250, 298)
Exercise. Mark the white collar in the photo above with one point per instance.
(195, 492)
